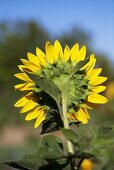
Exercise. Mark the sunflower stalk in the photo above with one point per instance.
(65, 117)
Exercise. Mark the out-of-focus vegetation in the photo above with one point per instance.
(16, 39)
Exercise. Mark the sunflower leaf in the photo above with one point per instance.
(16, 165)
(70, 135)
(102, 137)
(102, 131)
(48, 86)
(50, 152)
(106, 132)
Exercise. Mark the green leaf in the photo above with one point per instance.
(52, 166)
(52, 122)
(28, 162)
(54, 143)
(102, 132)
(79, 65)
(102, 146)
(102, 138)
(50, 151)
(70, 135)
(105, 132)
(94, 131)
(48, 86)
(82, 155)
(16, 165)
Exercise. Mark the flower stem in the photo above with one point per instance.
(65, 118)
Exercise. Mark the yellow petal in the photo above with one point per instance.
(74, 52)
(86, 112)
(26, 69)
(98, 89)
(21, 102)
(23, 76)
(81, 116)
(24, 100)
(25, 86)
(96, 98)
(19, 86)
(21, 67)
(72, 116)
(87, 106)
(30, 65)
(92, 65)
(58, 52)
(81, 54)
(33, 114)
(33, 59)
(49, 52)
(91, 62)
(98, 80)
(29, 106)
(67, 53)
(41, 57)
(32, 96)
(93, 72)
(40, 119)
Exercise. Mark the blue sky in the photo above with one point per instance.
(95, 16)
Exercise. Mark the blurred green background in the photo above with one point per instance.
(23, 27)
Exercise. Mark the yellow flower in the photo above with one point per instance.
(57, 65)
(87, 164)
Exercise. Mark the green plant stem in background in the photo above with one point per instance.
(65, 117)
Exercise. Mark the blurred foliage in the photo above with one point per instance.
(16, 39)
(110, 90)
(108, 67)
(75, 35)
(17, 151)
(105, 114)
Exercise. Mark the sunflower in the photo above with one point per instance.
(67, 68)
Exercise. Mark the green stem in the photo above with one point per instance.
(65, 118)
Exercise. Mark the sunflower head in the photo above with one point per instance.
(45, 76)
